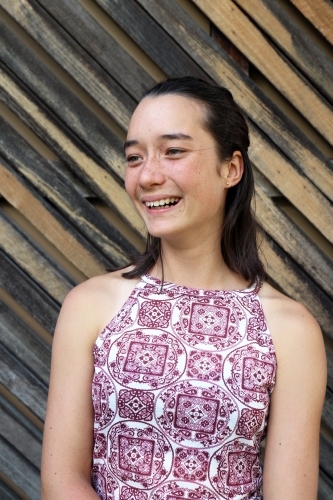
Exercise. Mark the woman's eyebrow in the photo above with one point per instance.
(178, 135)
(132, 142)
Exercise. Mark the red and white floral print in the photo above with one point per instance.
(181, 394)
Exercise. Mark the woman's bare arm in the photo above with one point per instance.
(68, 434)
(292, 447)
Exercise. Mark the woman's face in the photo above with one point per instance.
(173, 175)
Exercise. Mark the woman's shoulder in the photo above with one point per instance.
(289, 322)
(97, 300)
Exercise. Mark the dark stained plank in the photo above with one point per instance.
(267, 116)
(33, 260)
(293, 241)
(325, 486)
(143, 30)
(102, 48)
(20, 433)
(21, 382)
(51, 90)
(19, 470)
(50, 223)
(61, 140)
(327, 415)
(294, 282)
(326, 454)
(294, 42)
(75, 60)
(319, 13)
(6, 493)
(62, 194)
(27, 293)
(25, 344)
(286, 78)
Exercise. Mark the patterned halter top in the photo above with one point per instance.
(181, 393)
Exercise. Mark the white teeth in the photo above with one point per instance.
(162, 202)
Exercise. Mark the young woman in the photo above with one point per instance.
(166, 376)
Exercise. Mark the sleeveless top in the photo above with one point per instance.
(181, 393)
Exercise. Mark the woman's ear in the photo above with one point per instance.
(232, 170)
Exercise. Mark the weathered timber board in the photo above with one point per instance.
(25, 344)
(63, 195)
(52, 91)
(99, 44)
(293, 241)
(50, 223)
(267, 116)
(250, 41)
(33, 260)
(60, 139)
(27, 293)
(68, 53)
(319, 13)
(327, 415)
(326, 454)
(294, 282)
(21, 382)
(294, 42)
(19, 470)
(143, 30)
(325, 486)
(20, 433)
(6, 493)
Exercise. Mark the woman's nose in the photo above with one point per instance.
(151, 173)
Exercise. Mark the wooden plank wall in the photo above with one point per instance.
(71, 73)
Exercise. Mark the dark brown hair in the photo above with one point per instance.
(226, 123)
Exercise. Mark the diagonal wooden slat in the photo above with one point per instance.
(249, 40)
(293, 241)
(33, 260)
(295, 283)
(319, 13)
(20, 433)
(295, 43)
(24, 344)
(63, 195)
(70, 55)
(145, 31)
(326, 453)
(6, 493)
(50, 223)
(51, 91)
(68, 148)
(99, 44)
(325, 486)
(27, 293)
(19, 470)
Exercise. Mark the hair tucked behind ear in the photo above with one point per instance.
(226, 123)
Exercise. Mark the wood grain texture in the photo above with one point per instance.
(249, 40)
(325, 486)
(62, 194)
(267, 116)
(27, 293)
(319, 13)
(33, 260)
(19, 470)
(145, 32)
(51, 91)
(6, 493)
(71, 57)
(326, 453)
(22, 383)
(20, 433)
(294, 42)
(50, 223)
(294, 242)
(102, 48)
(24, 344)
(68, 148)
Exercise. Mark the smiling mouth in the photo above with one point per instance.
(163, 203)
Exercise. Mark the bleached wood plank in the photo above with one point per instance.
(319, 13)
(288, 36)
(50, 223)
(249, 40)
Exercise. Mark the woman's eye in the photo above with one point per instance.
(174, 151)
(133, 158)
